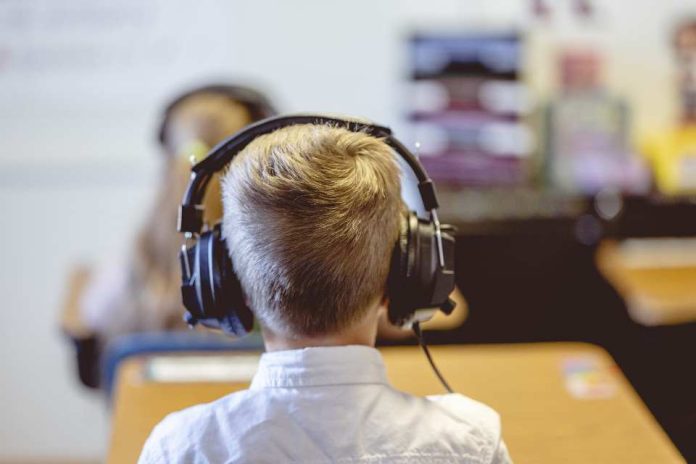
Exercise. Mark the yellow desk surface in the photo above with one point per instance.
(656, 293)
(527, 384)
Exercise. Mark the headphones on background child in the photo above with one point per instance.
(421, 275)
(256, 103)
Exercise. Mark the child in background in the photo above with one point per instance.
(672, 153)
(143, 293)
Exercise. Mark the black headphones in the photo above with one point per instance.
(421, 276)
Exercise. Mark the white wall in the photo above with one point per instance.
(78, 103)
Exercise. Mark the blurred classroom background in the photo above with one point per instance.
(560, 134)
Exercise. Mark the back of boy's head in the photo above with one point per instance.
(311, 215)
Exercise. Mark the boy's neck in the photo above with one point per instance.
(361, 333)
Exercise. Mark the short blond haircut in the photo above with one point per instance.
(311, 215)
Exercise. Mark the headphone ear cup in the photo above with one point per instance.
(219, 299)
(401, 267)
(416, 279)
(237, 317)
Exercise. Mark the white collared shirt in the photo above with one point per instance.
(328, 405)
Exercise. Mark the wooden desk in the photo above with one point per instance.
(542, 421)
(655, 277)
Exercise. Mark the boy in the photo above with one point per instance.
(311, 215)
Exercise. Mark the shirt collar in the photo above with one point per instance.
(316, 366)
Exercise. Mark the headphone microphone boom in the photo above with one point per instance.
(421, 275)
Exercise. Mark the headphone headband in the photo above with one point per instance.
(191, 211)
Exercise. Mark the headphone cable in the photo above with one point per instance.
(421, 341)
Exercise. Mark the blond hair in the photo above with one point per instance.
(311, 215)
